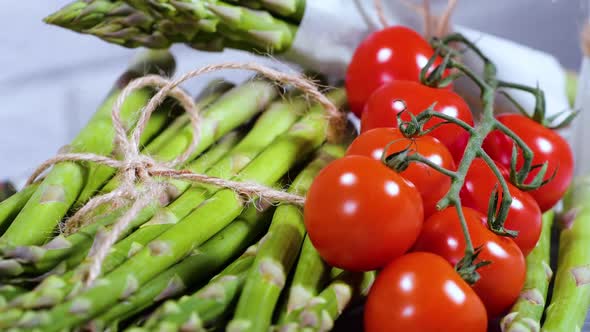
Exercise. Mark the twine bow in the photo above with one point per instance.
(138, 172)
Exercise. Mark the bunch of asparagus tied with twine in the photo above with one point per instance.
(189, 216)
(262, 25)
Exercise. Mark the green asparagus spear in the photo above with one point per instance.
(320, 313)
(74, 248)
(205, 24)
(59, 190)
(210, 94)
(10, 207)
(310, 275)
(194, 270)
(9, 292)
(571, 291)
(199, 226)
(289, 9)
(526, 313)
(277, 254)
(192, 313)
(42, 259)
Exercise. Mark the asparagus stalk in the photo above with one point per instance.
(192, 313)
(9, 292)
(74, 248)
(526, 313)
(571, 290)
(290, 9)
(277, 254)
(192, 231)
(310, 275)
(214, 90)
(64, 182)
(320, 313)
(206, 24)
(10, 207)
(194, 270)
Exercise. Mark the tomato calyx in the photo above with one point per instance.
(439, 77)
(538, 114)
(496, 222)
(520, 177)
(468, 265)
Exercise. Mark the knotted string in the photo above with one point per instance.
(137, 171)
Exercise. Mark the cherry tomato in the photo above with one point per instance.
(547, 146)
(394, 53)
(421, 292)
(524, 215)
(502, 280)
(431, 184)
(383, 106)
(360, 215)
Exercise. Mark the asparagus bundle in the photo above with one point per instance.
(571, 293)
(179, 241)
(205, 24)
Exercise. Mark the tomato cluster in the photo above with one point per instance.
(364, 213)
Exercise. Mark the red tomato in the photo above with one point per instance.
(360, 215)
(431, 184)
(382, 108)
(502, 280)
(547, 146)
(524, 215)
(394, 53)
(421, 292)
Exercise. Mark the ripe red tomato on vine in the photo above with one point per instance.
(431, 184)
(547, 146)
(383, 107)
(360, 215)
(422, 292)
(502, 280)
(391, 54)
(524, 215)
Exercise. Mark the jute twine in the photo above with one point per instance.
(441, 22)
(138, 172)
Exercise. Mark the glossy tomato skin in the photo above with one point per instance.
(394, 53)
(360, 215)
(421, 292)
(383, 106)
(546, 144)
(524, 215)
(431, 184)
(502, 280)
